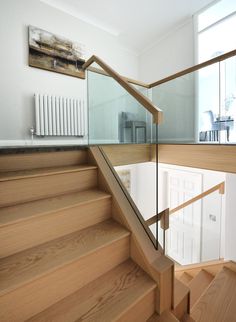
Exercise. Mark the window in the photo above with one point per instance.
(216, 30)
(216, 84)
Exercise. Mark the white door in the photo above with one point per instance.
(183, 238)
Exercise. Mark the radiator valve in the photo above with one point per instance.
(32, 132)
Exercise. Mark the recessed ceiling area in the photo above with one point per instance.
(136, 23)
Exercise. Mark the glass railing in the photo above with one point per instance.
(199, 107)
(139, 183)
(192, 232)
(116, 117)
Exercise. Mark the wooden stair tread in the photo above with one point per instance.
(28, 265)
(198, 285)
(23, 174)
(185, 278)
(116, 292)
(14, 214)
(167, 316)
(218, 303)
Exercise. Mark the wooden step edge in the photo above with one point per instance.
(5, 291)
(53, 211)
(44, 172)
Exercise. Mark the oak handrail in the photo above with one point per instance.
(143, 100)
(195, 68)
(220, 187)
(129, 80)
(176, 75)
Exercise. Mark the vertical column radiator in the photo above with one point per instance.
(59, 116)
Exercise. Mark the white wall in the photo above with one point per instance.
(142, 186)
(170, 54)
(19, 82)
(230, 222)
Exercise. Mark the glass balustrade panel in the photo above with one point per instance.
(116, 117)
(191, 108)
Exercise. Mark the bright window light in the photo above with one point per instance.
(215, 13)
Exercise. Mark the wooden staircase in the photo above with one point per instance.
(212, 291)
(64, 255)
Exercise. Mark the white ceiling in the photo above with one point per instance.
(136, 23)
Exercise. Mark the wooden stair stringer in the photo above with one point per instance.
(158, 266)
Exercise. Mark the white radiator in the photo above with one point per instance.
(59, 116)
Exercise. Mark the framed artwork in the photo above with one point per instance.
(55, 53)
(125, 177)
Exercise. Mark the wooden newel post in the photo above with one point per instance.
(222, 188)
(165, 219)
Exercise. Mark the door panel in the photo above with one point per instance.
(184, 235)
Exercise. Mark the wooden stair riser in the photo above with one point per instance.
(27, 300)
(29, 233)
(28, 189)
(181, 299)
(182, 308)
(26, 161)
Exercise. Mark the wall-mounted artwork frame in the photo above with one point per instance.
(125, 177)
(55, 53)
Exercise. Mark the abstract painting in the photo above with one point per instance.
(55, 53)
(125, 177)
